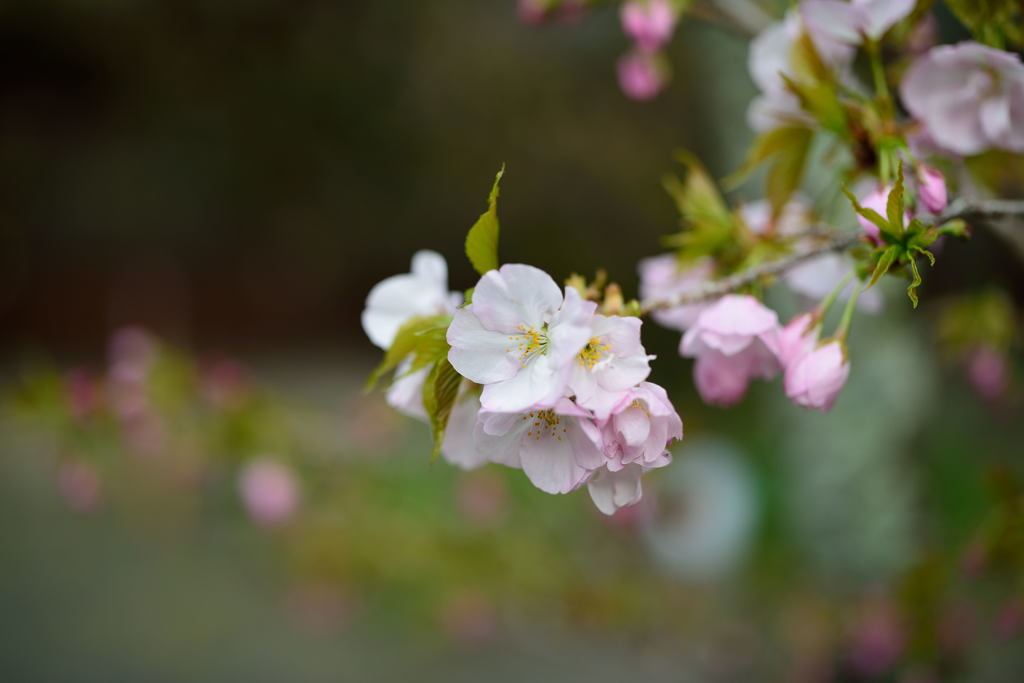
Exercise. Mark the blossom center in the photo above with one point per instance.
(545, 423)
(528, 343)
(592, 353)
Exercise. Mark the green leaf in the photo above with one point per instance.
(894, 205)
(956, 227)
(869, 214)
(697, 198)
(928, 254)
(421, 336)
(821, 100)
(482, 239)
(765, 146)
(439, 393)
(885, 261)
(786, 173)
(915, 283)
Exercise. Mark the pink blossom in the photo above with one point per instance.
(931, 188)
(797, 339)
(877, 201)
(612, 490)
(815, 380)
(721, 380)
(519, 338)
(662, 278)
(635, 439)
(969, 97)
(734, 340)
(613, 362)
(640, 429)
(269, 491)
(556, 448)
(641, 75)
(987, 372)
(649, 23)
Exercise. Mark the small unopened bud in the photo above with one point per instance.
(649, 23)
(641, 75)
(613, 300)
(815, 380)
(931, 189)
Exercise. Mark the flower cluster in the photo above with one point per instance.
(547, 384)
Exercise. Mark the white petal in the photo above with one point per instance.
(516, 295)
(538, 384)
(459, 447)
(878, 16)
(551, 464)
(429, 266)
(406, 393)
(613, 490)
(478, 354)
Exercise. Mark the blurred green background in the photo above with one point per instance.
(234, 176)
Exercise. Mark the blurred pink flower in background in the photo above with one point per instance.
(662, 277)
(83, 391)
(482, 497)
(133, 347)
(469, 618)
(536, 12)
(878, 639)
(649, 23)
(1010, 620)
(321, 607)
(641, 75)
(988, 372)
(224, 382)
(79, 485)
(970, 97)
(269, 491)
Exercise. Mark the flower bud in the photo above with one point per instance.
(931, 189)
(641, 75)
(797, 339)
(815, 380)
(649, 23)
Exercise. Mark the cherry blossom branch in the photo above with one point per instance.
(986, 208)
(960, 208)
(729, 284)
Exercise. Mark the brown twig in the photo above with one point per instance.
(960, 208)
